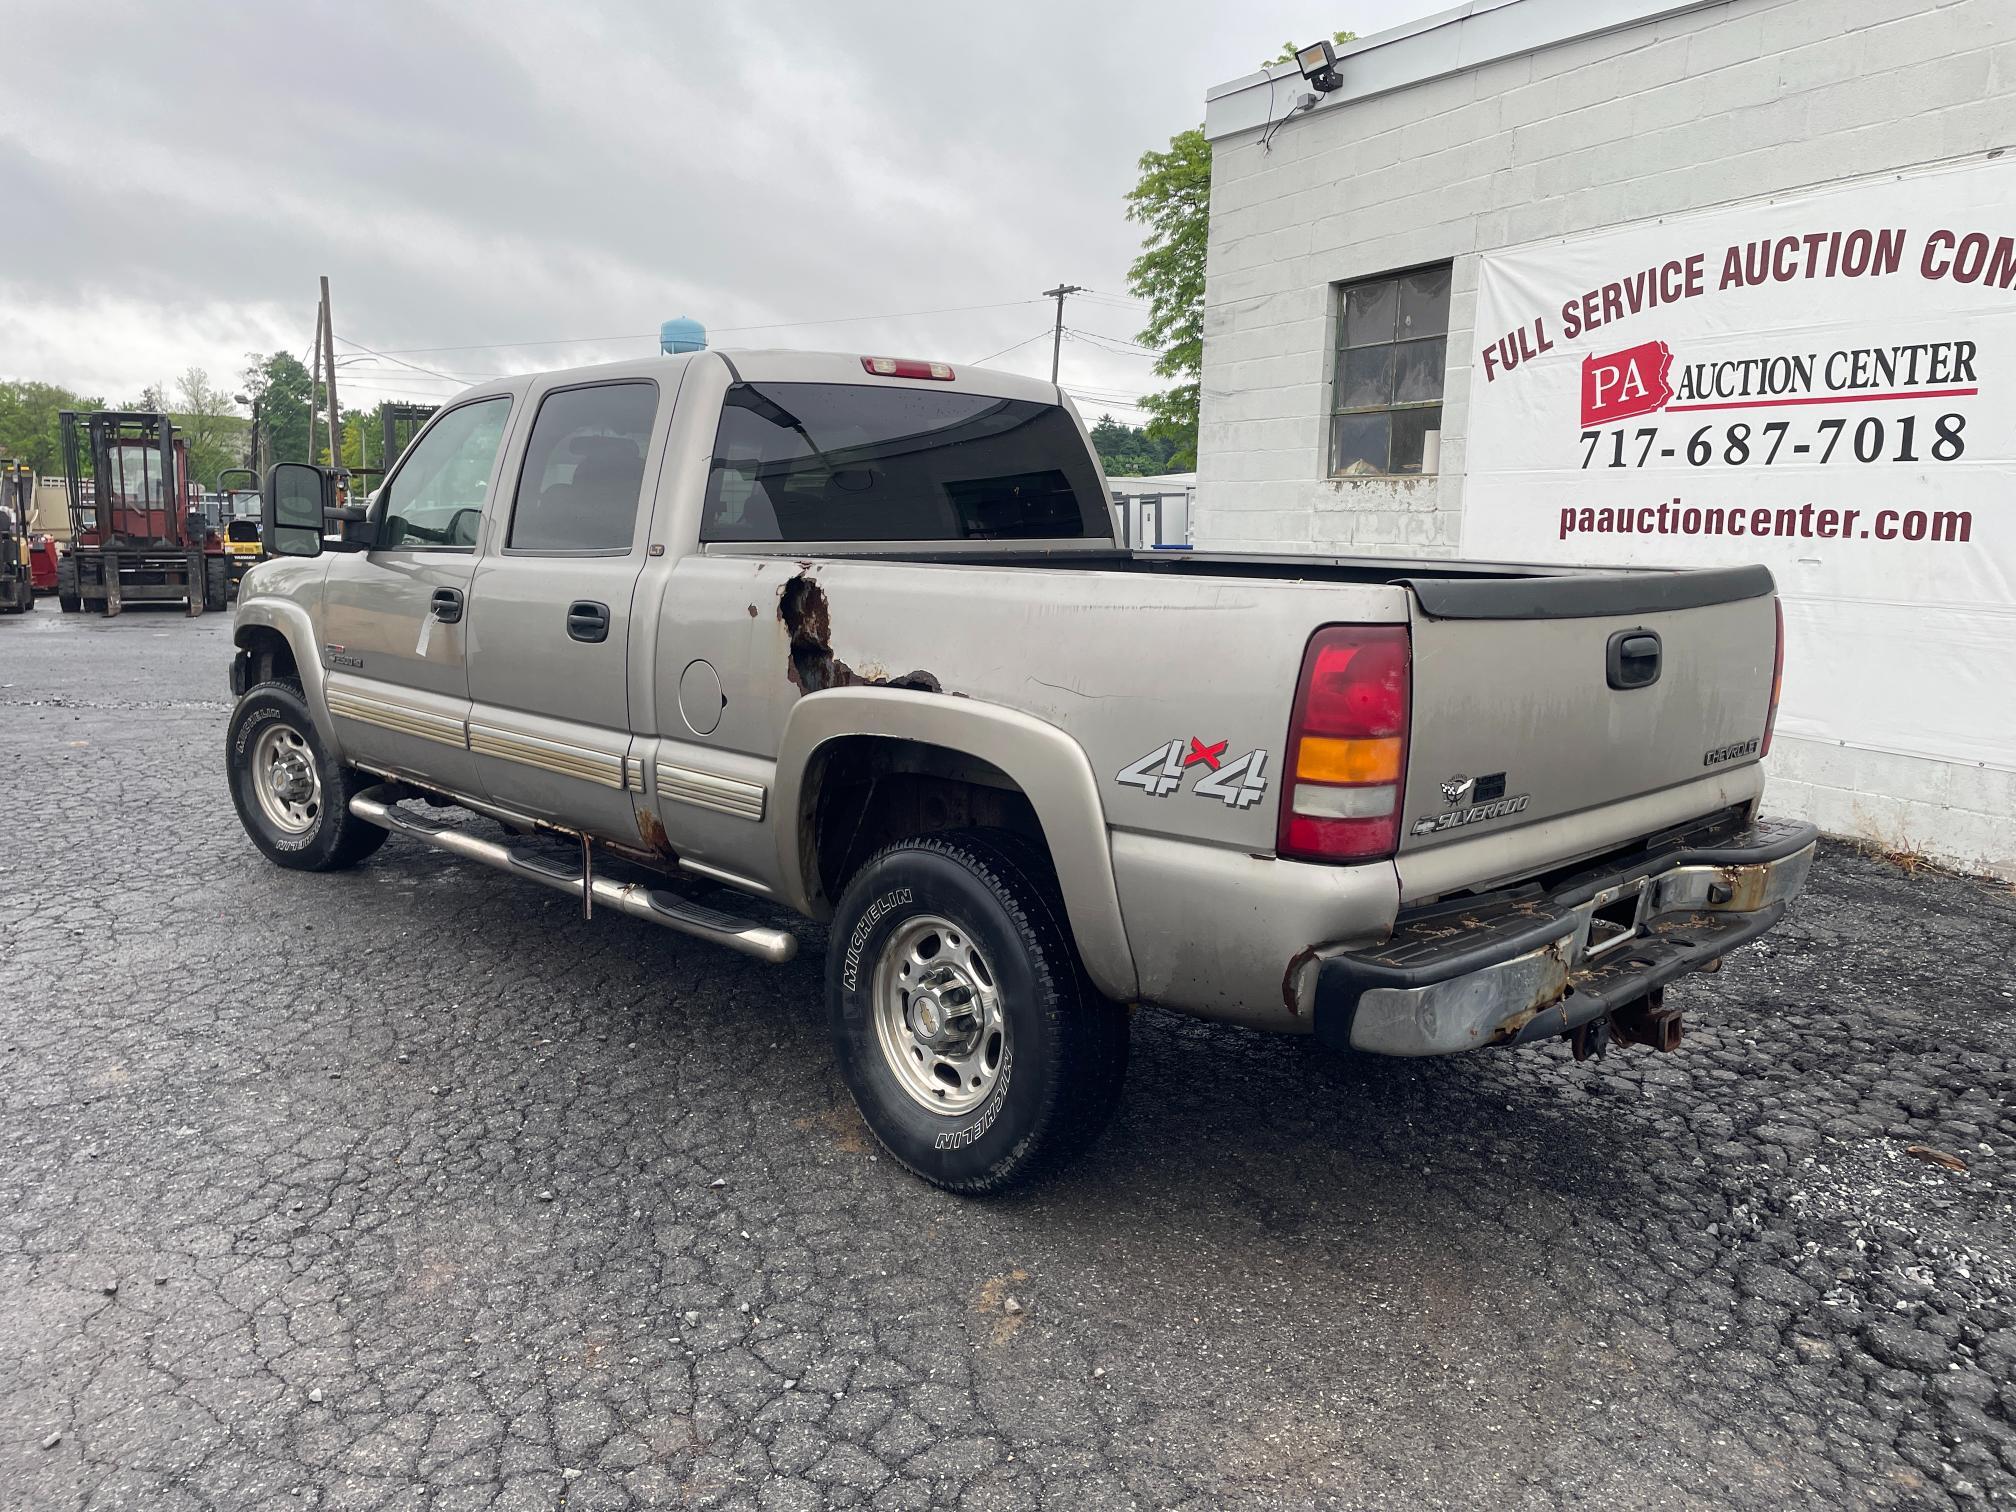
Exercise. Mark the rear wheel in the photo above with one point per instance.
(963, 1023)
(292, 794)
(216, 584)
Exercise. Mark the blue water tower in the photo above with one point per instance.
(682, 335)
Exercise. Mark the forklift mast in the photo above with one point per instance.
(17, 492)
(17, 498)
(398, 425)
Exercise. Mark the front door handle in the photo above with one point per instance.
(446, 605)
(588, 621)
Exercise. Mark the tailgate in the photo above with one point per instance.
(1546, 697)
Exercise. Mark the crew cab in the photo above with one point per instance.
(721, 639)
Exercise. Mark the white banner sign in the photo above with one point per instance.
(1822, 382)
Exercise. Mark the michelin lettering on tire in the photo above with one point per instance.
(958, 1139)
(850, 973)
(280, 840)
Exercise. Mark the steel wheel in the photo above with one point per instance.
(285, 779)
(938, 1016)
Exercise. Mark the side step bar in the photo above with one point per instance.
(660, 907)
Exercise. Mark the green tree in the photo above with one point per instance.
(29, 430)
(212, 433)
(1173, 200)
(286, 393)
(1127, 451)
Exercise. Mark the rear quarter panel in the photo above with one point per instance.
(1125, 663)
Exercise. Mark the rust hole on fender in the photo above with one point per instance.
(810, 664)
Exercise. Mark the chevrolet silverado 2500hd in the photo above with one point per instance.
(851, 638)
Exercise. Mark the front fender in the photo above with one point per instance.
(1047, 764)
(292, 622)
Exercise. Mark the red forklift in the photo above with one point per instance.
(17, 499)
(137, 534)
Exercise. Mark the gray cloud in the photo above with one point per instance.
(520, 172)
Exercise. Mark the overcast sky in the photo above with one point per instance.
(478, 178)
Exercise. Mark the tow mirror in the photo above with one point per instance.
(290, 510)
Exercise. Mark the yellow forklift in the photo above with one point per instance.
(238, 519)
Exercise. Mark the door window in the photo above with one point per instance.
(435, 500)
(584, 469)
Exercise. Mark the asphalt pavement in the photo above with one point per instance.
(407, 1188)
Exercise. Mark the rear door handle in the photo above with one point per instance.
(588, 621)
(446, 605)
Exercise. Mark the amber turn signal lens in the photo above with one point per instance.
(1322, 758)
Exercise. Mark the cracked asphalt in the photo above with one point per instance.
(406, 1188)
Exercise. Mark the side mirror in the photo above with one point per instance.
(290, 510)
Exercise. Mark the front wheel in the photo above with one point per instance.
(292, 794)
(964, 1025)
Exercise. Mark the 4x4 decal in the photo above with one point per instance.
(1238, 783)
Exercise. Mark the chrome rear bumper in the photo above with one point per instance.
(1528, 964)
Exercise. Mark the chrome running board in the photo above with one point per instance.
(633, 898)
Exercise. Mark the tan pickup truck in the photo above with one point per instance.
(721, 638)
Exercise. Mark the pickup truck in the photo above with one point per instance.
(723, 638)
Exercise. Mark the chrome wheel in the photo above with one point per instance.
(938, 1016)
(284, 778)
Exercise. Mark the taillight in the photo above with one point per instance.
(1347, 746)
(1777, 677)
(906, 367)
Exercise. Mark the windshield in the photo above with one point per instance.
(861, 462)
(135, 468)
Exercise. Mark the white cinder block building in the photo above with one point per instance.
(1643, 283)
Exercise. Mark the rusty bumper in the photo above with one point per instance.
(1532, 962)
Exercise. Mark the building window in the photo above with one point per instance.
(1392, 348)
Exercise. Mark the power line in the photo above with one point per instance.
(979, 361)
(1101, 340)
(416, 367)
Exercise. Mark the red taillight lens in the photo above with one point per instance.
(1777, 677)
(906, 367)
(1347, 746)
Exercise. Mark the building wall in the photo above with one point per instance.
(1694, 108)
(1658, 118)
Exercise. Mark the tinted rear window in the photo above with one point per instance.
(860, 462)
(242, 531)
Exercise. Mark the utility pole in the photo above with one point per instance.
(1057, 335)
(329, 367)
